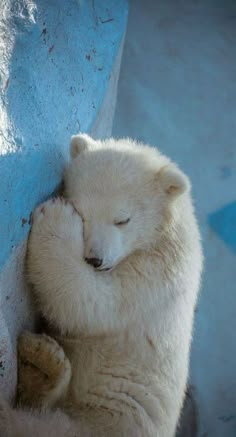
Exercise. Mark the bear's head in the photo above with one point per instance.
(124, 193)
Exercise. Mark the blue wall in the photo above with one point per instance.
(56, 65)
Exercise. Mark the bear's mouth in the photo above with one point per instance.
(105, 269)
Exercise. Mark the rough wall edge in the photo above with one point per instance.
(107, 110)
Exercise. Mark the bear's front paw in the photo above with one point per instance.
(57, 221)
(53, 209)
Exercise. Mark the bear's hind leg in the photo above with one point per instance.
(44, 371)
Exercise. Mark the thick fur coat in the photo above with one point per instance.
(115, 268)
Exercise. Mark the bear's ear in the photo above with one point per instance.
(78, 144)
(173, 181)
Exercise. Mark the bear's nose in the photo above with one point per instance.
(95, 262)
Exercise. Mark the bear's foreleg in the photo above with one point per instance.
(69, 292)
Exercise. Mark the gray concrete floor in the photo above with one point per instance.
(177, 91)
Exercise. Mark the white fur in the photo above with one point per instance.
(127, 332)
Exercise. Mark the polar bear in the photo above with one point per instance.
(115, 269)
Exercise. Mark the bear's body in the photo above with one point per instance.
(125, 324)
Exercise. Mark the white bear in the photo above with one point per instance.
(115, 271)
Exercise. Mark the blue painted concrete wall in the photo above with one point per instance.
(55, 65)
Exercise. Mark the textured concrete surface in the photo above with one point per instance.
(16, 314)
(55, 65)
(177, 91)
(59, 68)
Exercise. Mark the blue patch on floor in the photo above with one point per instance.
(223, 222)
